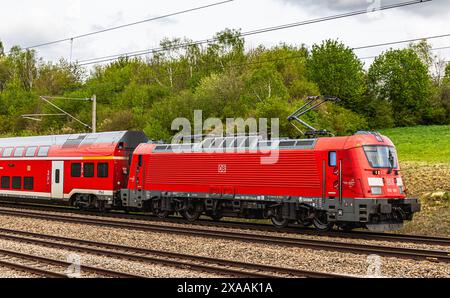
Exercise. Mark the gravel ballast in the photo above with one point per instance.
(299, 258)
(403, 244)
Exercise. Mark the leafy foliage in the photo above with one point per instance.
(225, 81)
(400, 78)
(337, 71)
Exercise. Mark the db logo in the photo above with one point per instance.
(222, 169)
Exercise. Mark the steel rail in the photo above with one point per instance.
(212, 265)
(33, 270)
(59, 263)
(389, 251)
(292, 229)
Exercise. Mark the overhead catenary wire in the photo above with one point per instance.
(353, 48)
(236, 65)
(244, 34)
(72, 38)
(301, 56)
(412, 40)
(400, 41)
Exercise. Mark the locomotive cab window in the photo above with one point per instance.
(7, 152)
(76, 170)
(88, 170)
(332, 159)
(19, 151)
(16, 182)
(381, 156)
(102, 170)
(43, 151)
(6, 182)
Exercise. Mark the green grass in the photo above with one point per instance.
(421, 143)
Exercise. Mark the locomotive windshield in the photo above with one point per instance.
(381, 156)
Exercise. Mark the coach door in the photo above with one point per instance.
(57, 179)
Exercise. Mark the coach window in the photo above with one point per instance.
(19, 151)
(88, 170)
(16, 182)
(28, 183)
(43, 151)
(76, 170)
(332, 160)
(6, 182)
(57, 176)
(7, 152)
(102, 170)
(31, 151)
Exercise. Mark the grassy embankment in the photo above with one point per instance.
(424, 153)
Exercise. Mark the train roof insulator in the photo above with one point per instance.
(239, 143)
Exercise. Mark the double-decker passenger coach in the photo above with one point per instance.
(84, 170)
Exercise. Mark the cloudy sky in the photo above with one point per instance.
(28, 22)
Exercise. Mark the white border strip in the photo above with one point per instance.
(376, 182)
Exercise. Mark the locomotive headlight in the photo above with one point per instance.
(376, 190)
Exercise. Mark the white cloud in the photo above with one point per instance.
(27, 22)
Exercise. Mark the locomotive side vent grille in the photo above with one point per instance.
(236, 143)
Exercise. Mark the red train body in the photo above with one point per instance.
(345, 181)
(348, 181)
(82, 170)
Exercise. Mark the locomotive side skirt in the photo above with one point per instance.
(375, 214)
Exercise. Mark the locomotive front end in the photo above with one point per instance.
(384, 204)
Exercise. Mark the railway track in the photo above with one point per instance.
(52, 268)
(177, 260)
(293, 229)
(389, 251)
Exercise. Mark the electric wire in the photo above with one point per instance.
(244, 34)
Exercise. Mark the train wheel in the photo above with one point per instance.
(321, 223)
(280, 222)
(191, 214)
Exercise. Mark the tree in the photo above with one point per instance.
(23, 64)
(264, 82)
(337, 71)
(434, 63)
(400, 78)
(4, 68)
(2, 49)
(447, 72)
(56, 79)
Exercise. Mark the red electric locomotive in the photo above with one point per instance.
(349, 182)
(85, 170)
